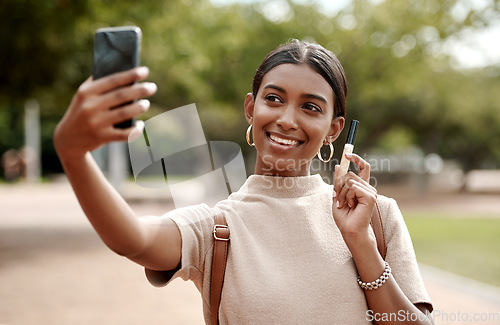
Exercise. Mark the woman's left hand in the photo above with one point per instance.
(354, 200)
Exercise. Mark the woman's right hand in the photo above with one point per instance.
(88, 122)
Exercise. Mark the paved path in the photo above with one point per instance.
(55, 270)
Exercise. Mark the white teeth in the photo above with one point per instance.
(283, 141)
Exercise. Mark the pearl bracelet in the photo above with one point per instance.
(377, 283)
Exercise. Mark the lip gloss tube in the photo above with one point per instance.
(348, 148)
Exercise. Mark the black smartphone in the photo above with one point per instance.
(116, 49)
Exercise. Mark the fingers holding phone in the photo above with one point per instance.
(104, 98)
(90, 119)
(106, 105)
(118, 80)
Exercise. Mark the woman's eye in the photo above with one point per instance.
(312, 107)
(273, 98)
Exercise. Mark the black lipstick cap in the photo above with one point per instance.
(351, 136)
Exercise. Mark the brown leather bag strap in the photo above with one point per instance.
(378, 229)
(221, 242)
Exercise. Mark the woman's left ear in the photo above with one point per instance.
(336, 127)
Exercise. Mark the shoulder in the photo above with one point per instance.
(393, 221)
(385, 202)
(194, 214)
(388, 208)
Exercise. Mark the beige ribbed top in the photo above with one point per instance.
(287, 261)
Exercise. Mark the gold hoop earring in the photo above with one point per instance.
(332, 150)
(251, 144)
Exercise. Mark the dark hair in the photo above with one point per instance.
(314, 55)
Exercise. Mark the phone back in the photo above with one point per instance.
(116, 49)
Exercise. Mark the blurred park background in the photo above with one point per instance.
(425, 90)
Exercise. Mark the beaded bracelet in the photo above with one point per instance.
(377, 283)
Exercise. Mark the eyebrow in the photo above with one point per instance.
(313, 96)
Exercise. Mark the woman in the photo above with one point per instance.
(298, 245)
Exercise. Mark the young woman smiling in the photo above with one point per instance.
(291, 119)
(300, 249)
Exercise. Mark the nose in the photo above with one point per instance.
(287, 119)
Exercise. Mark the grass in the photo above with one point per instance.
(466, 246)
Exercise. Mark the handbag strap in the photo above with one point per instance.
(378, 230)
(221, 243)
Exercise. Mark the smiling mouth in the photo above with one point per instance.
(282, 141)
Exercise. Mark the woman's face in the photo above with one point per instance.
(292, 117)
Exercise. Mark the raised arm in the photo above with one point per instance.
(87, 125)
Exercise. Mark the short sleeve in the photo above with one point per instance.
(195, 225)
(400, 253)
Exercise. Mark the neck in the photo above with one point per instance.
(282, 169)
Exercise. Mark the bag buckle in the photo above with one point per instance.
(224, 235)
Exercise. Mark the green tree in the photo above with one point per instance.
(400, 79)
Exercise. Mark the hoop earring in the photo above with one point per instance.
(332, 150)
(251, 144)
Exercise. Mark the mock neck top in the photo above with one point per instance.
(283, 187)
(287, 261)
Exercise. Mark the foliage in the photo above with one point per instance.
(391, 50)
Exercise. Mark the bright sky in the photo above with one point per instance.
(473, 49)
